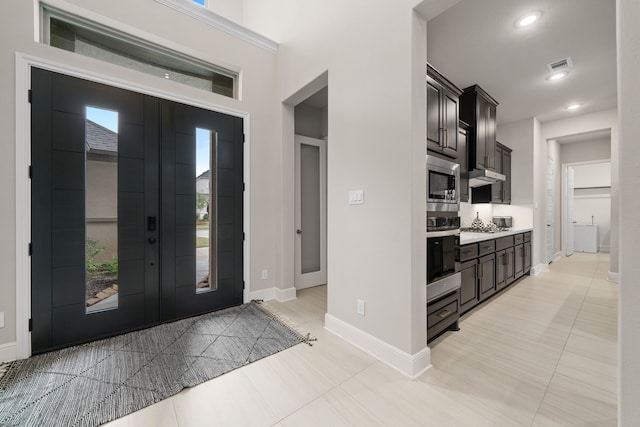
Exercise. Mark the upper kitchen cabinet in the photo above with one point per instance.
(478, 109)
(501, 191)
(442, 115)
(498, 192)
(463, 143)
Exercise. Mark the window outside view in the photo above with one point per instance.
(101, 209)
(205, 212)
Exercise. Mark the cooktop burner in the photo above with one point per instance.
(484, 229)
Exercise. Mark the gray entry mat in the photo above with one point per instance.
(94, 383)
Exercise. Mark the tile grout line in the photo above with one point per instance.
(546, 391)
(352, 376)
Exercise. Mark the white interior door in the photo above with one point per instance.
(570, 221)
(311, 212)
(550, 209)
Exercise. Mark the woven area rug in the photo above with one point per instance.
(92, 384)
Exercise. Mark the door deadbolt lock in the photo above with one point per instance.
(298, 231)
(152, 240)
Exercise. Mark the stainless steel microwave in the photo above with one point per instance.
(443, 185)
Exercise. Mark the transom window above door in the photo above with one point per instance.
(87, 38)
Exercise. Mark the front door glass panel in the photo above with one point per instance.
(206, 210)
(101, 209)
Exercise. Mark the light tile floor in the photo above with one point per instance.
(542, 353)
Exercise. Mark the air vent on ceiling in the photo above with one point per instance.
(560, 64)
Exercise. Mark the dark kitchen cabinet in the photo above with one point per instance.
(504, 261)
(501, 191)
(487, 276)
(442, 114)
(518, 265)
(463, 138)
(491, 265)
(443, 315)
(469, 296)
(506, 170)
(504, 268)
(478, 109)
(526, 263)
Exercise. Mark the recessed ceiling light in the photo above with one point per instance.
(528, 19)
(557, 76)
(573, 106)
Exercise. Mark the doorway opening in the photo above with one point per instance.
(311, 136)
(582, 191)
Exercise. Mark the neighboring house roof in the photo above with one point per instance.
(100, 140)
(204, 175)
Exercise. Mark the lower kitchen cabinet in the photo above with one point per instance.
(443, 315)
(504, 268)
(469, 295)
(490, 266)
(518, 265)
(487, 276)
(527, 256)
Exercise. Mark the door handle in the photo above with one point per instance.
(151, 223)
(298, 231)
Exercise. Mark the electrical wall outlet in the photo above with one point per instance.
(265, 274)
(1, 319)
(360, 307)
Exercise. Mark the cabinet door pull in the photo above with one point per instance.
(505, 259)
(481, 274)
(444, 313)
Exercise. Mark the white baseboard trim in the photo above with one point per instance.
(613, 277)
(288, 294)
(411, 365)
(557, 256)
(605, 248)
(271, 293)
(540, 268)
(8, 352)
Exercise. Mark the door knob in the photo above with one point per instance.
(152, 240)
(298, 231)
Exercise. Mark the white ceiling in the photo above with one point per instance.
(476, 42)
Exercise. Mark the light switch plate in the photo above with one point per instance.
(265, 274)
(1, 319)
(356, 197)
(360, 307)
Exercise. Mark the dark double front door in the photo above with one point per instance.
(136, 210)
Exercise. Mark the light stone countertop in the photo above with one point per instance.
(467, 237)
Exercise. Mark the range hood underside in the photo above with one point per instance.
(480, 177)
